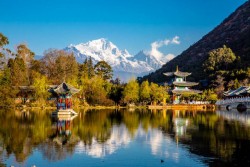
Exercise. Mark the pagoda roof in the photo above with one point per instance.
(185, 83)
(64, 88)
(181, 74)
(186, 91)
(177, 73)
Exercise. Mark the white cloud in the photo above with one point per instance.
(175, 40)
(158, 44)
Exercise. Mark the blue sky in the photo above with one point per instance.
(130, 24)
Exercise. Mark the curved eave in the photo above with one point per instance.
(185, 83)
(182, 74)
(65, 88)
(169, 74)
(189, 91)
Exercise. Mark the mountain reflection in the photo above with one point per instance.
(119, 138)
(168, 134)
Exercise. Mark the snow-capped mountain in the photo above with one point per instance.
(149, 59)
(123, 63)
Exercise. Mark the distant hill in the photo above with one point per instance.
(234, 32)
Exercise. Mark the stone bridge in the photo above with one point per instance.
(241, 104)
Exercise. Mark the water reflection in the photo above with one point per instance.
(63, 125)
(177, 137)
(119, 138)
(234, 115)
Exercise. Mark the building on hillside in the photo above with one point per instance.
(180, 86)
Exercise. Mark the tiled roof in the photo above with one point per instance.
(65, 88)
(186, 91)
(185, 83)
(177, 73)
(182, 74)
(238, 92)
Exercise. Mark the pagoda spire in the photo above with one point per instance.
(177, 69)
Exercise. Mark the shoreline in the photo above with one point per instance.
(151, 107)
(203, 107)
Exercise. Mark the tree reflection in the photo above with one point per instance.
(101, 132)
(20, 131)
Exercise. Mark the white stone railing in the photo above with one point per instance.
(233, 100)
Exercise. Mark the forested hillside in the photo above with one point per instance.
(234, 33)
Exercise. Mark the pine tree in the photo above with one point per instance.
(104, 70)
(91, 71)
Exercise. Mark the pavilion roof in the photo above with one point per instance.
(64, 88)
(181, 74)
(184, 83)
(186, 91)
(177, 73)
(238, 92)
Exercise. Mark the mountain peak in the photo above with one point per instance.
(120, 60)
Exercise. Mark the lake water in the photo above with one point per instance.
(125, 138)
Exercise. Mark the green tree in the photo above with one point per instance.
(36, 67)
(25, 53)
(82, 72)
(95, 91)
(219, 59)
(104, 70)
(158, 93)
(3, 41)
(115, 93)
(209, 95)
(18, 72)
(40, 86)
(234, 84)
(145, 92)
(91, 70)
(7, 93)
(131, 92)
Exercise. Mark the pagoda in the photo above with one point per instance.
(63, 94)
(180, 85)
